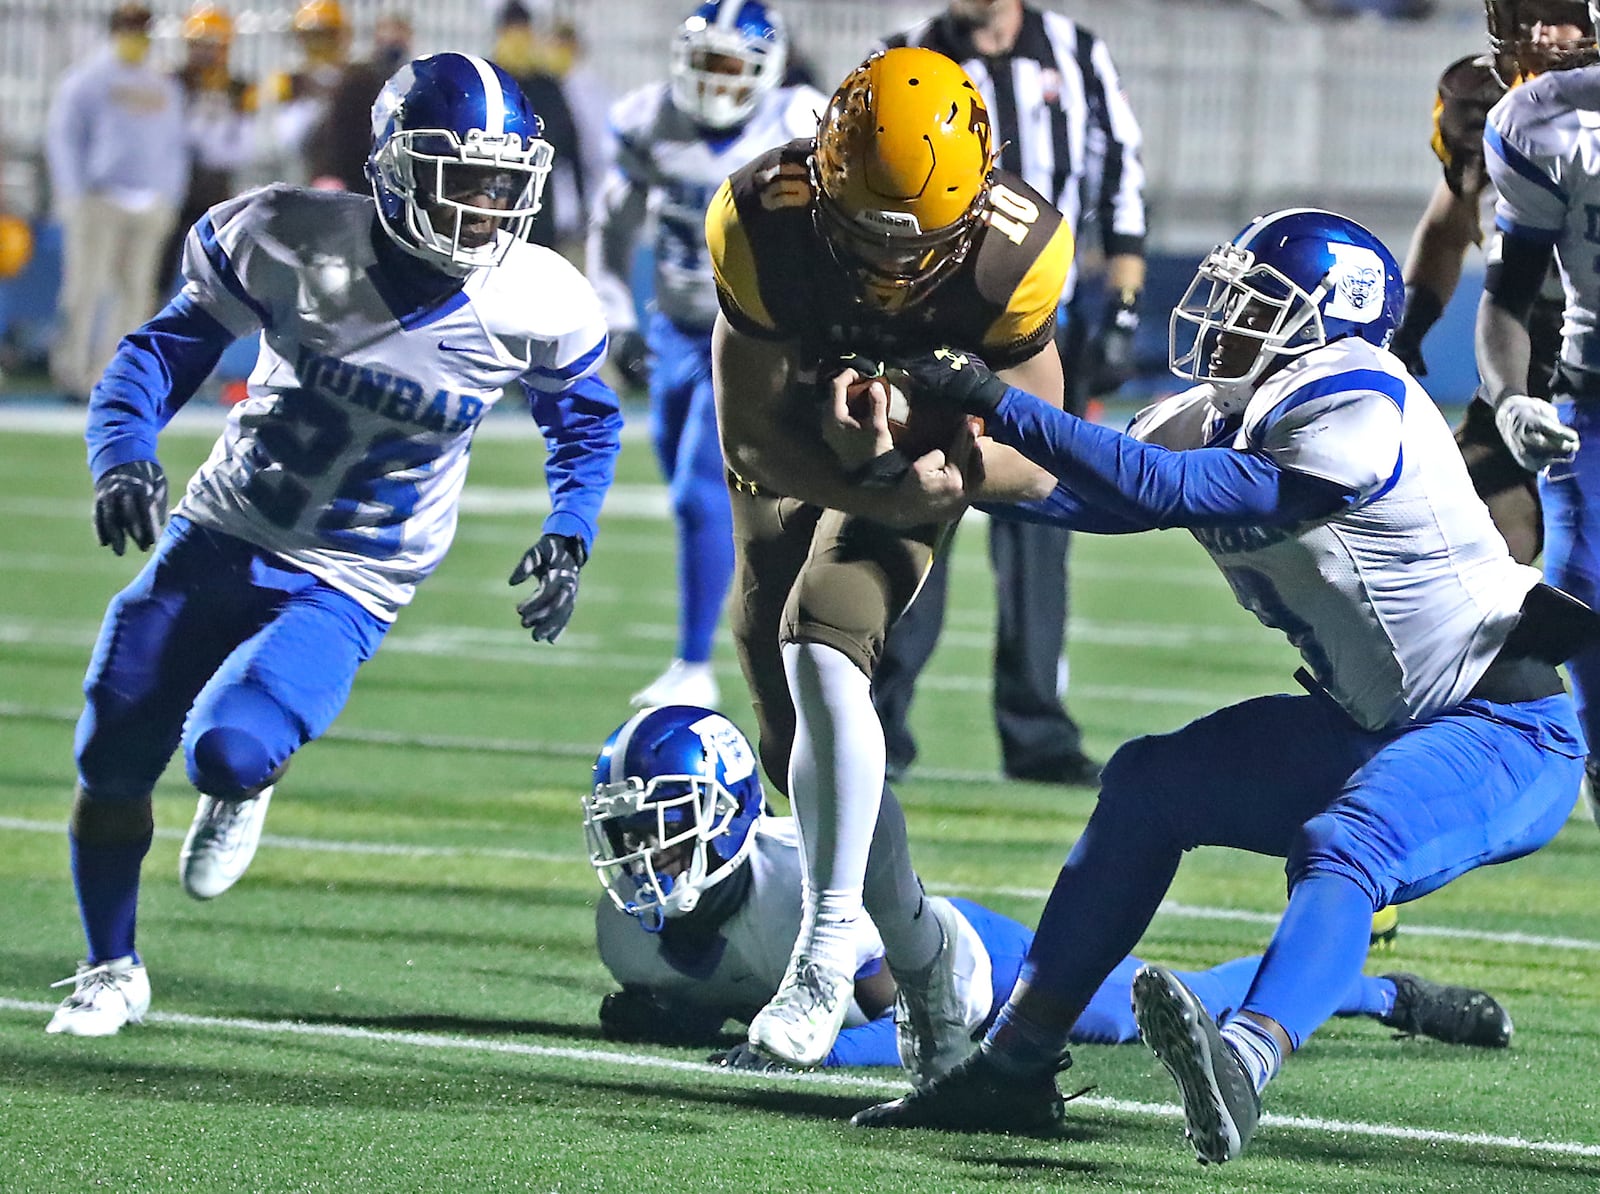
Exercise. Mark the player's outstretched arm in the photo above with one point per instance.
(1109, 482)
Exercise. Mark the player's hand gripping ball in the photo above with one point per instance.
(914, 428)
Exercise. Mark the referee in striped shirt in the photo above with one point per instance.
(1057, 108)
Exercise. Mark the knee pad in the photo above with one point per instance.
(1139, 781)
(1334, 843)
(228, 762)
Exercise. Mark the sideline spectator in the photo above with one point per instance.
(518, 51)
(119, 165)
(217, 108)
(337, 147)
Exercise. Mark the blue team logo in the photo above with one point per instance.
(1358, 284)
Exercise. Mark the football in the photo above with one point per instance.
(917, 430)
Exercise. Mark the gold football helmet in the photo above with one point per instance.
(901, 171)
(207, 22)
(319, 16)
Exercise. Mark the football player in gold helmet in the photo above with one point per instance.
(893, 230)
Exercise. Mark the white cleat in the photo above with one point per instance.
(681, 684)
(801, 1022)
(222, 840)
(103, 999)
(932, 1020)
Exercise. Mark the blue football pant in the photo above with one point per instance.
(225, 648)
(1108, 1020)
(1363, 819)
(683, 431)
(1570, 495)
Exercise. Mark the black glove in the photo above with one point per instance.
(635, 1015)
(631, 1014)
(631, 355)
(745, 1056)
(1113, 350)
(1422, 310)
(953, 376)
(130, 502)
(553, 562)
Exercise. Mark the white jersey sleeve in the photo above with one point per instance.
(1343, 428)
(234, 240)
(1527, 138)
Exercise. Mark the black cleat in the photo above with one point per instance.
(977, 1096)
(1454, 1015)
(1075, 770)
(1220, 1104)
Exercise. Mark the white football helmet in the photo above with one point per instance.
(728, 54)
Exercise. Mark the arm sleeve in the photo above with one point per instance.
(872, 1043)
(1105, 472)
(156, 370)
(582, 428)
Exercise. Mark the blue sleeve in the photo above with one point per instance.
(872, 1043)
(582, 428)
(1106, 477)
(155, 370)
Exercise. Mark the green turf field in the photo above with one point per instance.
(401, 994)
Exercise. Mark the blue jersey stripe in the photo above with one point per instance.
(1370, 380)
(574, 369)
(218, 257)
(1518, 161)
(1534, 236)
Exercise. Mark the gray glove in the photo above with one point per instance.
(1533, 432)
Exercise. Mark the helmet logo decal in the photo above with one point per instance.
(723, 741)
(978, 122)
(894, 223)
(1358, 284)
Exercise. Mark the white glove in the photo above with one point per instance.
(1533, 432)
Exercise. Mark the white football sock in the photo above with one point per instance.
(835, 785)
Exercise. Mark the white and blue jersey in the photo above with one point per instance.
(667, 169)
(1542, 143)
(738, 972)
(1337, 506)
(348, 456)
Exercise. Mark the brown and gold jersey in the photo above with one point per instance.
(777, 278)
(1467, 90)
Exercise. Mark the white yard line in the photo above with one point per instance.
(634, 1062)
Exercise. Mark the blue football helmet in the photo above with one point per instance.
(728, 54)
(458, 162)
(1291, 281)
(676, 794)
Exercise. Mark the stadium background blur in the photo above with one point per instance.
(1246, 106)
